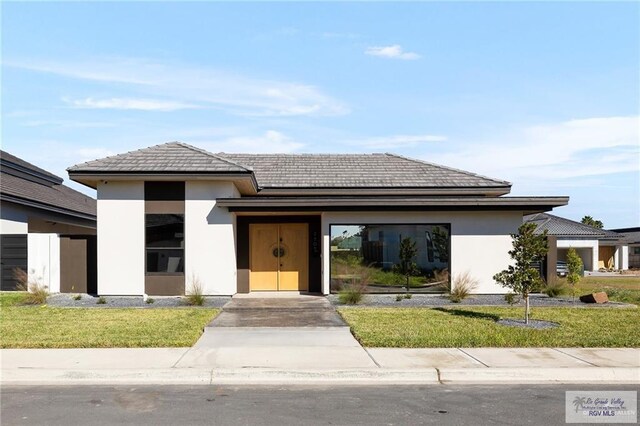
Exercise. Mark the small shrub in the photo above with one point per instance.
(77, 297)
(461, 287)
(150, 300)
(350, 295)
(555, 288)
(36, 292)
(408, 296)
(101, 300)
(399, 297)
(194, 296)
(511, 298)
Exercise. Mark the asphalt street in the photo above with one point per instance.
(286, 405)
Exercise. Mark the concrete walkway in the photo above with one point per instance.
(327, 365)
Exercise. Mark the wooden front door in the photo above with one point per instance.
(279, 257)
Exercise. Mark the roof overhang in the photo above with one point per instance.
(245, 182)
(73, 217)
(527, 205)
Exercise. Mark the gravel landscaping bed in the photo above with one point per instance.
(430, 300)
(66, 300)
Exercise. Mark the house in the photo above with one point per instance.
(631, 237)
(46, 229)
(598, 248)
(172, 216)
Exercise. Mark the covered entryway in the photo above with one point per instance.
(278, 257)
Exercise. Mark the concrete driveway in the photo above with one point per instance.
(292, 332)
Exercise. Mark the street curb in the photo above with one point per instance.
(371, 376)
(575, 375)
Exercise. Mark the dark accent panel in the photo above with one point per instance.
(164, 285)
(243, 281)
(164, 191)
(92, 264)
(551, 263)
(160, 207)
(73, 265)
(315, 250)
(13, 254)
(78, 264)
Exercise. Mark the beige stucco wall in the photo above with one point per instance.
(480, 241)
(121, 238)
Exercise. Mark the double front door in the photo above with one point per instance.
(279, 256)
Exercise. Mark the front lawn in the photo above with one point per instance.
(621, 288)
(476, 327)
(45, 327)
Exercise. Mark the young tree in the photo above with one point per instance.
(588, 220)
(407, 267)
(574, 266)
(524, 276)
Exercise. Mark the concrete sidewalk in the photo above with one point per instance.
(328, 365)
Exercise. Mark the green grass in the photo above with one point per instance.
(476, 327)
(619, 289)
(12, 298)
(45, 327)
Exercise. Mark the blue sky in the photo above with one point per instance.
(545, 95)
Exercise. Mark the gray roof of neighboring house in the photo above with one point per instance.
(172, 157)
(628, 235)
(24, 183)
(561, 227)
(293, 170)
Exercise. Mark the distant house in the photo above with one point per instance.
(631, 237)
(46, 229)
(240, 223)
(598, 248)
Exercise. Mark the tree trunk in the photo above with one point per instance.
(526, 309)
(408, 278)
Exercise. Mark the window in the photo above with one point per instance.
(165, 243)
(370, 254)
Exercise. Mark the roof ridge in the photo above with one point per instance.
(415, 160)
(217, 157)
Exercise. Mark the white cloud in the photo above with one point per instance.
(68, 124)
(394, 51)
(271, 141)
(396, 141)
(192, 85)
(130, 103)
(551, 153)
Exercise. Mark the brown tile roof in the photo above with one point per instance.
(172, 157)
(293, 170)
(356, 171)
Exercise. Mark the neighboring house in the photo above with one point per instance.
(173, 214)
(631, 237)
(47, 229)
(598, 248)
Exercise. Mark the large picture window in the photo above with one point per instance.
(165, 243)
(369, 255)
